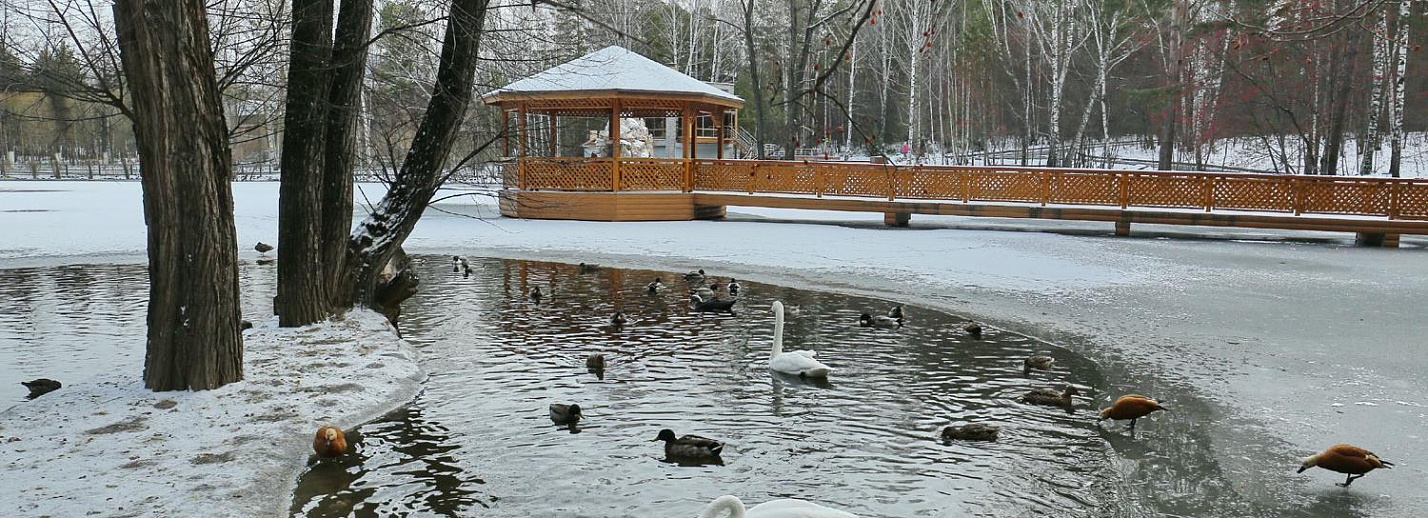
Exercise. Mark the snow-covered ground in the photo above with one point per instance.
(1293, 340)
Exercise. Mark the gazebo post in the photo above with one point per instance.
(615, 144)
(554, 134)
(718, 118)
(687, 121)
(521, 123)
(506, 132)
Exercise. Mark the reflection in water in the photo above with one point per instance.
(866, 440)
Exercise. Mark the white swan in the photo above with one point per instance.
(781, 508)
(798, 363)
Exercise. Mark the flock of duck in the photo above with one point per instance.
(709, 295)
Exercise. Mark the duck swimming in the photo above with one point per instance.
(895, 312)
(798, 363)
(700, 304)
(1038, 362)
(1130, 406)
(867, 320)
(1050, 397)
(689, 446)
(617, 320)
(595, 362)
(733, 287)
(535, 295)
(780, 508)
(563, 414)
(1351, 460)
(974, 329)
(970, 432)
(695, 277)
(655, 286)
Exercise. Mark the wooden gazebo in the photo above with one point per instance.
(614, 83)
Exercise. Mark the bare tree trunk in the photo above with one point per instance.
(302, 295)
(349, 59)
(379, 237)
(1174, 67)
(194, 340)
(761, 118)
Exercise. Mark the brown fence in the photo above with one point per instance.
(1393, 198)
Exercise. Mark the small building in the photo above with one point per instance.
(663, 121)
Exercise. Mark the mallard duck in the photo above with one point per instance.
(589, 268)
(329, 442)
(699, 304)
(689, 446)
(1130, 406)
(780, 508)
(535, 295)
(970, 432)
(40, 387)
(263, 248)
(867, 320)
(703, 292)
(618, 319)
(654, 286)
(563, 414)
(1049, 397)
(595, 362)
(733, 287)
(798, 363)
(1038, 362)
(895, 312)
(694, 277)
(1351, 460)
(972, 328)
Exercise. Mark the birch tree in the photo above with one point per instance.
(1382, 48)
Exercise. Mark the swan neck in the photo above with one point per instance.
(729, 503)
(778, 331)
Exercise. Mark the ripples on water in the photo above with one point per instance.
(478, 441)
(866, 441)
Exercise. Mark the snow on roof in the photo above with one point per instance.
(613, 68)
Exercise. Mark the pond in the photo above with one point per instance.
(478, 441)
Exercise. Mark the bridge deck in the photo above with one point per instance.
(675, 189)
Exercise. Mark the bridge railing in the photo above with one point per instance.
(1393, 198)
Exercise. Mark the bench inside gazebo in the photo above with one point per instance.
(621, 173)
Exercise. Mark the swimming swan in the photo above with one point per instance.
(798, 363)
(781, 508)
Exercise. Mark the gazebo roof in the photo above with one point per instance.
(612, 72)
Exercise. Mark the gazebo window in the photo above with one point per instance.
(656, 126)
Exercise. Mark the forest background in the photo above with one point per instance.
(1311, 87)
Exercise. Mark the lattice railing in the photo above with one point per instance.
(652, 174)
(1391, 198)
(567, 174)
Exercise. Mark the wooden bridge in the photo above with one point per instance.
(667, 189)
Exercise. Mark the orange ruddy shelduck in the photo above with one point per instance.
(1348, 459)
(329, 442)
(1130, 406)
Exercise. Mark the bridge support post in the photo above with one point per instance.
(1123, 228)
(896, 219)
(1376, 239)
